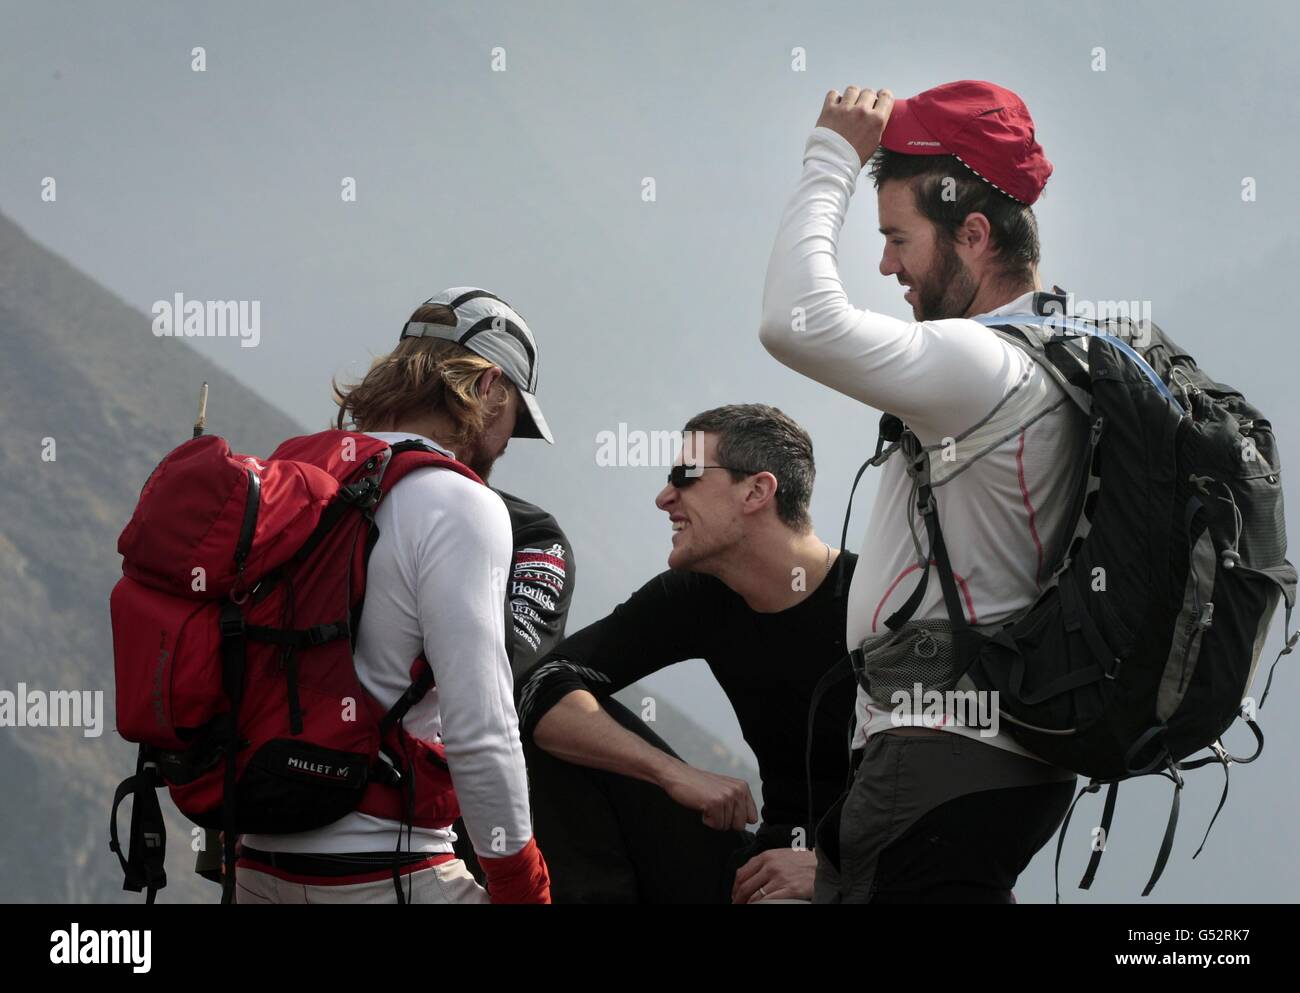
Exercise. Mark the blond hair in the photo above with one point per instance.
(419, 376)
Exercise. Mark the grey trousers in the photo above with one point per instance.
(937, 818)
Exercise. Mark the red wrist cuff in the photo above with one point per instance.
(518, 878)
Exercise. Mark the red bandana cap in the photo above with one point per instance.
(987, 127)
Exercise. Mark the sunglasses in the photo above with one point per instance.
(683, 476)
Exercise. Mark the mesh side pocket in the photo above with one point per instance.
(921, 652)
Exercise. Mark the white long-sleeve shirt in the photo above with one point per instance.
(951, 381)
(436, 585)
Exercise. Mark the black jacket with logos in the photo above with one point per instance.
(541, 582)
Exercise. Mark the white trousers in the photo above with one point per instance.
(449, 882)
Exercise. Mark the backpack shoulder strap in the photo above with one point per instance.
(143, 865)
(406, 456)
(1028, 341)
(1063, 327)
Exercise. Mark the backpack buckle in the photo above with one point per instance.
(231, 624)
(388, 769)
(1206, 618)
(383, 773)
(364, 493)
(322, 633)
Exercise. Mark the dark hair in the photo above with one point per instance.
(761, 438)
(1012, 226)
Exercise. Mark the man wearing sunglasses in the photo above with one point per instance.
(754, 592)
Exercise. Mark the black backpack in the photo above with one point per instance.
(1180, 517)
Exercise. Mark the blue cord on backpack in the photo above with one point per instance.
(1059, 322)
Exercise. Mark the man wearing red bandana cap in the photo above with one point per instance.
(943, 807)
(985, 127)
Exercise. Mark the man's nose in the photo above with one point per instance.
(666, 496)
(887, 265)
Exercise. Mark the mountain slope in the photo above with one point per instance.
(84, 369)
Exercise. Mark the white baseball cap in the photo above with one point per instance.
(491, 328)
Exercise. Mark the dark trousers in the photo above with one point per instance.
(937, 819)
(609, 838)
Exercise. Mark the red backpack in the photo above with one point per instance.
(233, 631)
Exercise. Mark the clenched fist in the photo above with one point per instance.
(725, 803)
(859, 116)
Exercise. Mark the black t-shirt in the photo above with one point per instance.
(766, 663)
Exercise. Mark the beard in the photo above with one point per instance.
(482, 465)
(949, 287)
(479, 459)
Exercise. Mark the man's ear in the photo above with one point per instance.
(975, 233)
(761, 492)
(488, 381)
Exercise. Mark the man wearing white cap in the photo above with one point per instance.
(489, 327)
(462, 381)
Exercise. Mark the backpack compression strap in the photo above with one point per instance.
(397, 771)
(234, 650)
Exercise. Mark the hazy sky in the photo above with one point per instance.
(225, 184)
